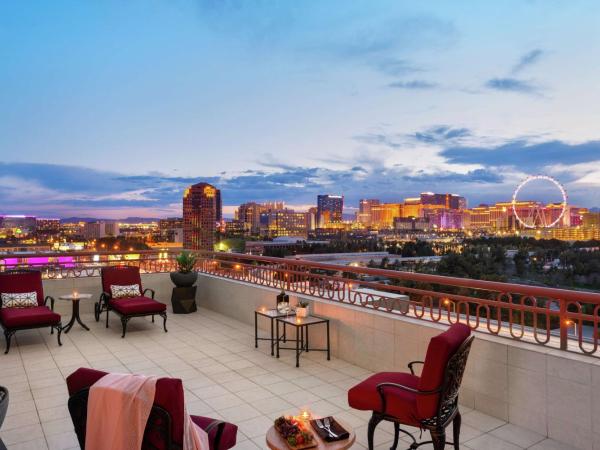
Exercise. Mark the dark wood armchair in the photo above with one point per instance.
(429, 401)
(40, 316)
(127, 307)
(164, 429)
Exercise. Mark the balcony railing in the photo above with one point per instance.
(559, 318)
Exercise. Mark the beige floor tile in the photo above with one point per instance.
(491, 442)
(481, 421)
(517, 435)
(255, 427)
(224, 401)
(239, 413)
(270, 405)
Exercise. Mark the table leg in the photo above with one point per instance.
(256, 330)
(306, 338)
(328, 346)
(298, 332)
(277, 338)
(77, 316)
(272, 339)
(69, 325)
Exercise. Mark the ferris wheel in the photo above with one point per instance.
(534, 214)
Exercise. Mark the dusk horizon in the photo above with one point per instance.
(115, 109)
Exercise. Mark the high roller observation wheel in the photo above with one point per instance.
(556, 183)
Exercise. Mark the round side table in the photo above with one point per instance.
(276, 442)
(74, 298)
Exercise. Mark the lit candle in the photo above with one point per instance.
(263, 309)
(75, 294)
(298, 321)
(305, 415)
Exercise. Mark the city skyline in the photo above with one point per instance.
(371, 99)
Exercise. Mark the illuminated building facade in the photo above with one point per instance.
(201, 214)
(330, 211)
(284, 223)
(365, 211)
(448, 201)
(100, 229)
(171, 229)
(408, 224)
(17, 226)
(412, 207)
(383, 215)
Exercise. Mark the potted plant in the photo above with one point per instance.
(302, 308)
(185, 276)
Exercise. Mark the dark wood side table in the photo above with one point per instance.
(301, 324)
(272, 315)
(75, 299)
(183, 300)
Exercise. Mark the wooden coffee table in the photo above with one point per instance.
(276, 442)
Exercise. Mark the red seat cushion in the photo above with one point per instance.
(228, 437)
(17, 283)
(399, 403)
(137, 305)
(440, 350)
(28, 317)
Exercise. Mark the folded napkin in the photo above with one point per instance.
(335, 427)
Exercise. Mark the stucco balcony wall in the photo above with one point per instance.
(551, 392)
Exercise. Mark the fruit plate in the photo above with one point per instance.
(296, 434)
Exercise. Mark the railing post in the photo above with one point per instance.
(564, 325)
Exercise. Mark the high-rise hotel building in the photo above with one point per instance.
(330, 211)
(201, 215)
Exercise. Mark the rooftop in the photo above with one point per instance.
(224, 376)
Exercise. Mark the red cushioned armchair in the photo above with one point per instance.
(40, 316)
(164, 429)
(127, 307)
(427, 402)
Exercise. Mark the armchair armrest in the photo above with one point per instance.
(380, 387)
(51, 301)
(151, 292)
(410, 366)
(105, 297)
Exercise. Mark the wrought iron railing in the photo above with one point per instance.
(565, 319)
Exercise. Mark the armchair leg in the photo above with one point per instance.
(124, 321)
(373, 422)
(59, 332)
(164, 316)
(107, 317)
(456, 430)
(8, 336)
(439, 439)
(396, 436)
(97, 311)
(152, 318)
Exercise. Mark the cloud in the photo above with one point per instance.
(396, 67)
(382, 139)
(512, 85)
(528, 59)
(441, 134)
(526, 156)
(473, 176)
(413, 85)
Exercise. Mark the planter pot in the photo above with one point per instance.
(184, 279)
(302, 312)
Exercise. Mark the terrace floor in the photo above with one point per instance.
(224, 376)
